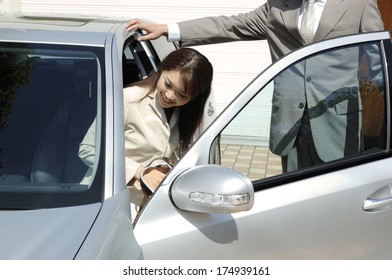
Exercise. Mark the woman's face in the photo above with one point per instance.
(170, 90)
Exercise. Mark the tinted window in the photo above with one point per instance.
(48, 101)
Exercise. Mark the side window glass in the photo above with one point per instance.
(130, 69)
(326, 108)
(244, 144)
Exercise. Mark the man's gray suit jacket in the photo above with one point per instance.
(277, 22)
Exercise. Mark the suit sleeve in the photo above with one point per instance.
(371, 21)
(221, 29)
(371, 18)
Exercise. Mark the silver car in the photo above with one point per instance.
(227, 197)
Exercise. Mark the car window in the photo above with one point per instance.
(139, 60)
(143, 58)
(343, 92)
(130, 69)
(49, 97)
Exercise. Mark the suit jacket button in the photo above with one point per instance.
(301, 105)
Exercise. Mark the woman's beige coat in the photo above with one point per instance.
(148, 135)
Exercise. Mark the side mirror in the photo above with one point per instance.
(212, 189)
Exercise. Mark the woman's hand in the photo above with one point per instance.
(154, 176)
(154, 31)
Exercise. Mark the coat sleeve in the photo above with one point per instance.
(220, 29)
(371, 17)
(131, 167)
(87, 154)
(130, 95)
(87, 146)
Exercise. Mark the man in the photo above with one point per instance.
(280, 23)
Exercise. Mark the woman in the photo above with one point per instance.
(162, 114)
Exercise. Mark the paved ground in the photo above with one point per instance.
(255, 162)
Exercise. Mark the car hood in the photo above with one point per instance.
(45, 234)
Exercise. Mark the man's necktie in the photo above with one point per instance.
(308, 22)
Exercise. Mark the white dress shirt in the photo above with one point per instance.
(319, 8)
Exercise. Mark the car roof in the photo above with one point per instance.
(57, 29)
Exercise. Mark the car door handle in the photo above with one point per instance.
(380, 200)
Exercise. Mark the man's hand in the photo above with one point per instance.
(154, 31)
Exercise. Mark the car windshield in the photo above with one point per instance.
(49, 95)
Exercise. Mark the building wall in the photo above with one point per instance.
(9, 6)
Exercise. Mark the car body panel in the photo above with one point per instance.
(96, 231)
(111, 235)
(42, 29)
(286, 222)
(47, 233)
(309, 217)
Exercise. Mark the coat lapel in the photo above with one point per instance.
(290, 17)
(333, 12)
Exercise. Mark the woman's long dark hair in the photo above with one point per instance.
(196, 72)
